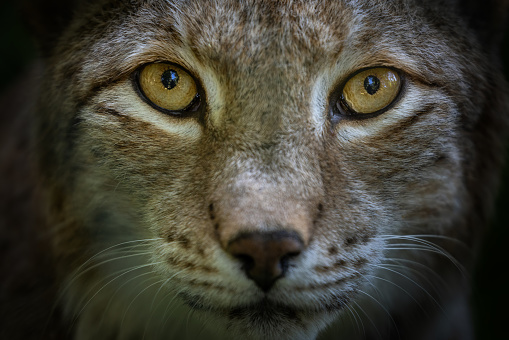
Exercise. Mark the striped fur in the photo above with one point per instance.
(141, 205)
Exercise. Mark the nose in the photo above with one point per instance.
(265, 255)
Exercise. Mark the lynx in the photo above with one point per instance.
(251, 169)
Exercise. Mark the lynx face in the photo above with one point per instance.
(256, 169)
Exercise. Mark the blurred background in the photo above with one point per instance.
(491, 288)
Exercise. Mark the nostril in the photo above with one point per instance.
(285, 260)
(246, 260)
(265, 256)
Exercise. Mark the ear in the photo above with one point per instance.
(487, 17)
(46, 19)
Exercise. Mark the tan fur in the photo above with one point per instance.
(141, 205)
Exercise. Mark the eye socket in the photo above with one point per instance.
(167, 87)
(369, 92)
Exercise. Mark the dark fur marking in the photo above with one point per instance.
(109, 111)
(409, 121)
(337, 303)
(360, 262)
(200, 251)
(73, 130)
(333, 250)
(330, 284)
(183, 241)
(170, 238)
(190, 266)
(97, 87)
(211, 212)
(366, 237)
(319, 213)
(322, 269)
(350, 241)
(339, 263)
(336, 265)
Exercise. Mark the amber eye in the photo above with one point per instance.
(167, 86)
(370, 91)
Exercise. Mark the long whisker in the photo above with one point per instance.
(398, 265)
(428, 248)
(125, 283)
(117, 277)
(81, 271)
(170, 303)
(137, 295)
(163, 284)
(381, 306)
(152, 308)
(413, 281)
(402, 289)
(357, 319)
(369, 319)
(115, 246)
(423, 244)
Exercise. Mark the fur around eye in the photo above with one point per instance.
(167, 87)
(369, 91)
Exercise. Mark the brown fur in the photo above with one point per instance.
(138, 207)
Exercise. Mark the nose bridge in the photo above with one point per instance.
(268, 177)
(272, 193)
(263, 98)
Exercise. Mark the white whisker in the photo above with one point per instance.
(402, 289)
(137, 295)
(126, 272)
(381, 306)
(422, 245)
(369, 319)
(413, 281)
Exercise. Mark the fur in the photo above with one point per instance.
(137, 207)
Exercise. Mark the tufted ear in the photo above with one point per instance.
(47, 18)
(487, 17)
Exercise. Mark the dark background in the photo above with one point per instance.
(491, 287)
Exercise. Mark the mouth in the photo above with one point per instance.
(269, 319)
(267, 308)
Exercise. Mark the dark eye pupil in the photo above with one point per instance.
(170, 79)
(371, 84)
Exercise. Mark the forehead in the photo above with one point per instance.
(280, 38)
(242, 32)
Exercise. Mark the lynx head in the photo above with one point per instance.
(261, 167)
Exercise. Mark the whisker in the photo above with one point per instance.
(137, 295)
(413, 281)
(435, 250)
(422, 276)
(383, 308)
(357, 319)
(369, 319)
(170, 303)
(125, 283)
(81, 271)
(115, 246)
(62, 293)
(104, 286)
(424, 236)
(163, 284)
(189, 315)
(402, 289)
(425, 244)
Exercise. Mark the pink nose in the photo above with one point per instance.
(265, 255)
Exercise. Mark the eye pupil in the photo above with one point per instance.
(371, 84)
(169, 79)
